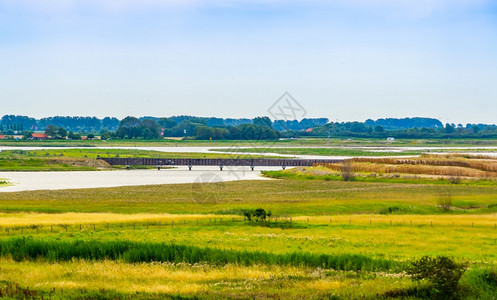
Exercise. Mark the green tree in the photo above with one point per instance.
(203, 132)
(61, 133)
(379, 129)
(150, 129)
(51, 131)
(129, 127)
(27, 134)
(263, 121)
(73, 136)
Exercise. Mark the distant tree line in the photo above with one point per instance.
(260, 128)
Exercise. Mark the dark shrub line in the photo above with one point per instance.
(134, 252)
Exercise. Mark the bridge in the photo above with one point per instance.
(229, 162)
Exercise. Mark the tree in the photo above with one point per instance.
(204, 133)
(130, 127)
(61, 132)
(51, 131)
(166, 123)
(263, 121)
(27, 134)
(73, 136)
(449, 128)
(379, 129)
(150, 129)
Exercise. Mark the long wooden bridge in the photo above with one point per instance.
(230, 162)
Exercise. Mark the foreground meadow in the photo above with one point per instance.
(323, 239)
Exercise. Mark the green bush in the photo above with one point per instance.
(442, 272)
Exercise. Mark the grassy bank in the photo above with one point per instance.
(290, 197)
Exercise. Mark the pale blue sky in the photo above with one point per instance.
(341, 59)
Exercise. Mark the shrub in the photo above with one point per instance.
(445, 200)
(258, 215)
(454, 179)
(442, 272)
(346, 171)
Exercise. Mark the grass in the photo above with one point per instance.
(132, 252)
(166, 280)
(346, 239)
(286, 197)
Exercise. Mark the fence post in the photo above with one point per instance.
(94, 229)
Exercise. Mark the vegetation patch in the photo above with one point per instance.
(131, 252)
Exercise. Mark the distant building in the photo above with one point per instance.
(39, 136)
(390, 139)
(2, 137)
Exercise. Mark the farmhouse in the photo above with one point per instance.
(39, 136)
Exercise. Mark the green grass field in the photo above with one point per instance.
(326, 239)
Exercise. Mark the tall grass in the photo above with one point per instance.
(132, 252)
(441, 165)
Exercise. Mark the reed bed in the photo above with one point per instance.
(435, 165)
(21, 249)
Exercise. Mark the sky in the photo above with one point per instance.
(346, 60)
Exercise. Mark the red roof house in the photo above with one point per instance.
(39, 136)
